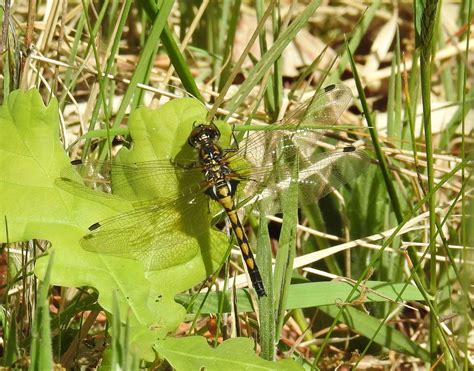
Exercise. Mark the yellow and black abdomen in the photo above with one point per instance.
(225, 198)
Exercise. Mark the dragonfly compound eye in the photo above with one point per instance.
(203, 133)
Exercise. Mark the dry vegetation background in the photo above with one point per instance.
(41, 49)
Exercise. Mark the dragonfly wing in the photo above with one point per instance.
(304, 126)
(325, 108)
(159, 235)
(134, 181)
(316, 178)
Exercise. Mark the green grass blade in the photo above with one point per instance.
(426, 37)
(355, 39)
(287, 249)
(387, 336)
(108, 69)
(272, 55)
(146, 55)
(11, 340)
(41, 349)
(176, 57)
(375, 142)
(229, 43)
(378, 255)
(305, 295)
(266, 304)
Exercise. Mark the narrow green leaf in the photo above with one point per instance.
(139, 74)
(368, 326)
(177, 59)
(272, 55)
(266, 304)
(306, 295)
(41, 349)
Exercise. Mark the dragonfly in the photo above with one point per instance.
(260, 168)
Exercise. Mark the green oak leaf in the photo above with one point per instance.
(193, 353)
(34, 204)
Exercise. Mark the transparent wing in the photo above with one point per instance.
(136, 181)
(160, 235)
(307, 123)
(266, 158)
(315, 179)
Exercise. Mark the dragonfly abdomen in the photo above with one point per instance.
(225, 199)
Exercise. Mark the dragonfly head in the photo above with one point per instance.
(203, 133)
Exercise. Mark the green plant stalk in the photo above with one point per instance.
(426, 37)
(6, 75)
(277, 76)
(11, 342)
(375, 141)
(384, 167)
(233, 74)
(262, 39)
(300, 319)
(269, 58)
(102, 80)
(68, 80)
(223, 23)
(390, 188)
(439, 225)
(138, 97)
(392, 266)
(145, 56)
(117, 349)
(411, 98)
(109, 65)
(466, 239)
(177, 59)
(230, 37)
(355, 39)
(41, 350)
(266, 306)
(379, 253)
(287, 244)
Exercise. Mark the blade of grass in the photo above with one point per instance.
(467, 210)
(176, 57)
(355, 39)
(109, 65)
(41, 349)
(70, 80)
(266, 305)
(101, 79)
(393, 266)
(11, 340)
(393, 197)
(268, 59)
(465, 295)
(380, 333)
(287, 247)
(147, 53)
(235, 71)
(302, 295)
(274, 88)
(230, 39)
(428, 18)
(375, 141)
